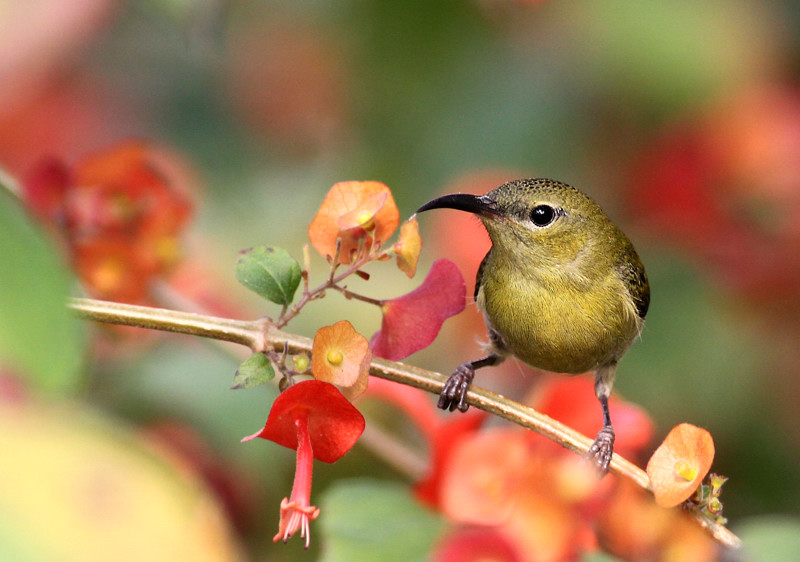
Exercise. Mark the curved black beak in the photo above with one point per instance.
(476, 204)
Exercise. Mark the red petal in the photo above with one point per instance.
(483, 481)
(412, 322)
(571, 400)
(443, 442)
(477, 543)
(44, 189)
(133, 187)
(113, 268)
(364, 214)
(333, 423)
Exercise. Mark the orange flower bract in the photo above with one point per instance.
(341, 356)
(353, 211)
(363, 216)
(680, 463)
(408, 247)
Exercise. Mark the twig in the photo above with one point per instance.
(262, 335)
(332, 282)
(400, 456)
(351, 295)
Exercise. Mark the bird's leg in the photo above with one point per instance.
(602, 449)
(454, 393)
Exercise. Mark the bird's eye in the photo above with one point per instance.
(542, 215)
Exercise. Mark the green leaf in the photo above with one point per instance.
(365, 519)
(256, 370)
(770, 537)
(39, 337)
(269, 271)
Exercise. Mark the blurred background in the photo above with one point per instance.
(682, 119)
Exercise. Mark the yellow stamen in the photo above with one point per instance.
(335, 357)
(365, 219)
(685, 470)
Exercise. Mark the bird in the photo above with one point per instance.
(561, 288)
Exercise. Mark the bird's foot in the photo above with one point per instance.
(454, 393)
(602, 449)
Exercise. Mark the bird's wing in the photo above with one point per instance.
(632, 272)
(479, 275)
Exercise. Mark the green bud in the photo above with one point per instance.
(716, 481)
(301, 362)
(256, 370)
(714, 506)
(702, 493)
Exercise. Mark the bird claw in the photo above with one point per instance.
(454, 393)
(602, 449)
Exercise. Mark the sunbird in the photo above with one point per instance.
(562, 288)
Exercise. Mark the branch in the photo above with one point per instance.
(262, 335)
(253, 334)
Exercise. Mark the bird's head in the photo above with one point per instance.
(543, 220)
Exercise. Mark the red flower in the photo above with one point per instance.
(443, 441)
(120, 213)
(413, 321)
(315, 419)
(571, 400)
(534, 497)
(724, 188)
(468, 544)
(485, 475)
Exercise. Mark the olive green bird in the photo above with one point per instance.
(561, 288)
